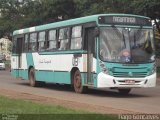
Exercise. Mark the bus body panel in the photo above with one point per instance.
(51, 68)
(117, 75)
(56, 66)
(21, 70)
(105, 81)
(57, 62)
(29, 60)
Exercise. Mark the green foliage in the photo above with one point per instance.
(149, 8)
(12, 106)
(17, 14)
(26, 110)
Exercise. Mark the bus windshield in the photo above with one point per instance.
(126, 45)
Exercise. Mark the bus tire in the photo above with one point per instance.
(32, 79)
(124, 91)
(77, 82)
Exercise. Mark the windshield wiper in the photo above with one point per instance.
(124, 39)
(116, 30)
(138, 32)
(119, 34)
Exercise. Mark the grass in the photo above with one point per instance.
(27, 110)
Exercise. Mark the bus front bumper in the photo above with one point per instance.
(107, 81)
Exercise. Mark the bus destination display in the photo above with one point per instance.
(124, 20)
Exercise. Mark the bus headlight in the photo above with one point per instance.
(105, 71)
(103, 68)
(153, 70)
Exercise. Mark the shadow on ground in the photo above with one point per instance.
(90, 91)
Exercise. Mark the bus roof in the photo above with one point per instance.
(81, 20)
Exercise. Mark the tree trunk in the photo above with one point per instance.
(157, 25)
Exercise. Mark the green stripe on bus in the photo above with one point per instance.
(63, 52)
(20, 73)
(29, 60)
(57, 77)
(53, 77)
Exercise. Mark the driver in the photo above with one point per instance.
(125, 55)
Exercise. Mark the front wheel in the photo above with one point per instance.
(124, 91)
(77, 82)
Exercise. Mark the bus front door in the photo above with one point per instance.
(90, 54)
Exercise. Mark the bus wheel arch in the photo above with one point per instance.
(30, 67)
(72, 74)
(76, 81)
(32, 78)
(31, 75)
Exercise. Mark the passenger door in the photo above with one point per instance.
(90, 41)
(19, 50)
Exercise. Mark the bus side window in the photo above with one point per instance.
(33, 42)
(51, 43)
(26, 43)
(41, 41)
(76, 38)
(63, 38)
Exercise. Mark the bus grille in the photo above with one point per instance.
(137, 73)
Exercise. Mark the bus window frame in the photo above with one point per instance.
(68, 48)
(59, 40)
(81, 36)
(30, 50)
(16, 44)
(26, 50)
(85, 26)
(39, 50)
(47, 40)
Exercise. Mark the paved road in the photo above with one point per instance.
(144, 100)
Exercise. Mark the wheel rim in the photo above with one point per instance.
(77, 81)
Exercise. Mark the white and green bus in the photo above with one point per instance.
(100, 51)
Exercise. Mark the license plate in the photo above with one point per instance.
(130, 81)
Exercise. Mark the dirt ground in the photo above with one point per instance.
(13, 89)
(64, 103)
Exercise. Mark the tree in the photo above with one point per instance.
(17, 14)
(148, 8)
(10, 16)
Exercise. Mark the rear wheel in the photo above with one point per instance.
(124, 91)
(77, 82)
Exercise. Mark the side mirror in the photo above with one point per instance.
(96, 32)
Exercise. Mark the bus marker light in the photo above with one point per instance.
(114, 81)
(145, 81)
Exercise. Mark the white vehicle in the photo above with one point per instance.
(2, 65)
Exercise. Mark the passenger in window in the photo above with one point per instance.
(76, 43)
(42, 46)
(63, 38)
(34, 48)
(63, 44)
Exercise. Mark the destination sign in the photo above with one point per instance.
(124, 20)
